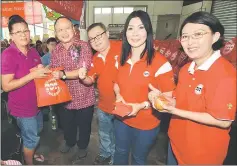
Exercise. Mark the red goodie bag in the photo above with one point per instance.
(51, 91)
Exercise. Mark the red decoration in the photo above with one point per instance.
(71, 9)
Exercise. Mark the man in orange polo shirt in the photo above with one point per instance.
(104, 70)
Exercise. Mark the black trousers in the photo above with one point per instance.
(74, 119)
(232, 150)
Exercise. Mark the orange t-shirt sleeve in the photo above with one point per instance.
(164, 77)
(222, 103)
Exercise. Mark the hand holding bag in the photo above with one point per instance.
(51, 91)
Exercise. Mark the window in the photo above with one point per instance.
(97, 10)
(106, 10)
(128, 9)
(140, 8)
(118, 10)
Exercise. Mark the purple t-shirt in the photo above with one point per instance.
(22, 102)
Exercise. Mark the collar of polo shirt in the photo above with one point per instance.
(207, 64)
(129, 61)
(101, 56)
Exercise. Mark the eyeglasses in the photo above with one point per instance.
(196, 35)
(18, 33)
(97, 37)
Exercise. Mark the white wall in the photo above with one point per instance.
(154, 8)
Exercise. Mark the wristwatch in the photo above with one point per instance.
(64, 75)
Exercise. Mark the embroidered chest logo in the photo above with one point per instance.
(52, 88)
(146, 73)
(198, 89)
(229, 106)
(36, 60)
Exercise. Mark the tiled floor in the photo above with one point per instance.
(50, 141)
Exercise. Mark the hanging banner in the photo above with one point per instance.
(71, 9)
(51, 14)
(31, 11)
(9, 9)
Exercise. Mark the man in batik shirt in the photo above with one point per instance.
(72, 54)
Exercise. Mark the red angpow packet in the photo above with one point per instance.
(122, 109)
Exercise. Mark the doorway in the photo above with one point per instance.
(167, 26)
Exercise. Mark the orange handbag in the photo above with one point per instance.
(51, 91)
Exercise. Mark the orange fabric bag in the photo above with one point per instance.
(50, 91)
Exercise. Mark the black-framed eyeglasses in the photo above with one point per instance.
(97, 37)
(18, 33)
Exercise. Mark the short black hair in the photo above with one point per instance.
(14, 19)
(61, 18)
(76, 25)
(38, 42)
(99, 24)
(126, 47)
(51, 39)
(209, 20)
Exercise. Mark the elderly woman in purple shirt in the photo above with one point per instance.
(17, 60)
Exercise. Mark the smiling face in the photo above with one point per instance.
(98, 38)
(64, 30)
(197, 40)
(136, 33)
(20, 34)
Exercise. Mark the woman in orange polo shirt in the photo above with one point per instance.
(139, 67)
(205, 95)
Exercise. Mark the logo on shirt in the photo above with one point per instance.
(36, 60)
(51, 87)
(229, 106)
(146, 74)
(198, 89)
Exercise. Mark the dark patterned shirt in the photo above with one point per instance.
(82, 96)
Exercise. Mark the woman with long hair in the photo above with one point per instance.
(139, 67)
